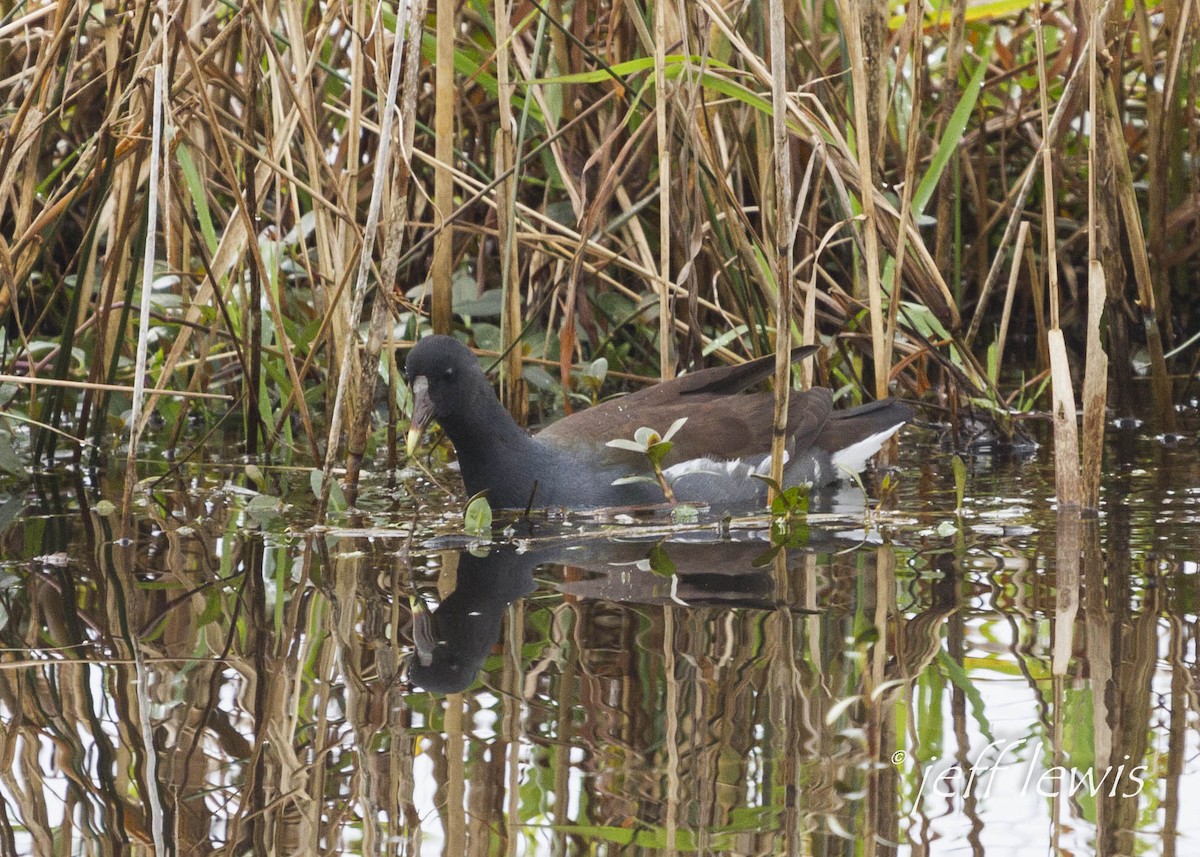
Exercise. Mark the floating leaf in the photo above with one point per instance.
(264, 508)
(477, 519)
(685, 514)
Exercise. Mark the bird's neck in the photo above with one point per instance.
(487, 440)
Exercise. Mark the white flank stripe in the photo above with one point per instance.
(854, 457)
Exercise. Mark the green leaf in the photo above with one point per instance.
(779, 506)
(10, 509)
(952, 135)
(264, 508)
(195, 186)
(487, 305)
(771, 483)
(660, 562)
(539, 378)
(868, 636)
(657, 452)
(9, 460)
(213, 609)
(477, 519)
(673, 62)
(685, 514)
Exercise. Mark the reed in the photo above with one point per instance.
(608, 172)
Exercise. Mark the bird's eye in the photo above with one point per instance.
(449, 374)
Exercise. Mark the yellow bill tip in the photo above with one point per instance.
(412, 440)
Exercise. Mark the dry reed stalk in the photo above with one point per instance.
(914, 35)
(1067, 486)
(808, 331)
(1014, 273)
(1049, 234)
(1160, 381)
(1163, 125)
(553, 132)
(1037, 289)
(781, 261)
(1095, 380)
(1095, 388)
(445, 96)
(235, 241)
(571, 244)
(512, 385)
(666, 365)
(948, 98)
(156, 177)
(365, 380)
(866, 181)
(1066, 432)
(109, 388)
(1050, 134)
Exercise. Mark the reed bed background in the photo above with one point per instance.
(200, 217)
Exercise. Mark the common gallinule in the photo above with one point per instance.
(723, 445)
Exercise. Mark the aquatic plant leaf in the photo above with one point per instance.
(477, 519)
(660, 562)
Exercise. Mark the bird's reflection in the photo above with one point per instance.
(453, 640)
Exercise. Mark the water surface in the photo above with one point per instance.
(906, 680)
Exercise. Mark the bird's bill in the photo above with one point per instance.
(422, 414)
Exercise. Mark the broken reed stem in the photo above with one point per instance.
(1067, 486)
(1066, 432)
(1095, 388)
(1095, 378)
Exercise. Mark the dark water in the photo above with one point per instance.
(1012, 682)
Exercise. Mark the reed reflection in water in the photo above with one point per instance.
(1026, 682)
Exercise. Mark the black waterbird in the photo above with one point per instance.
(716, 453)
